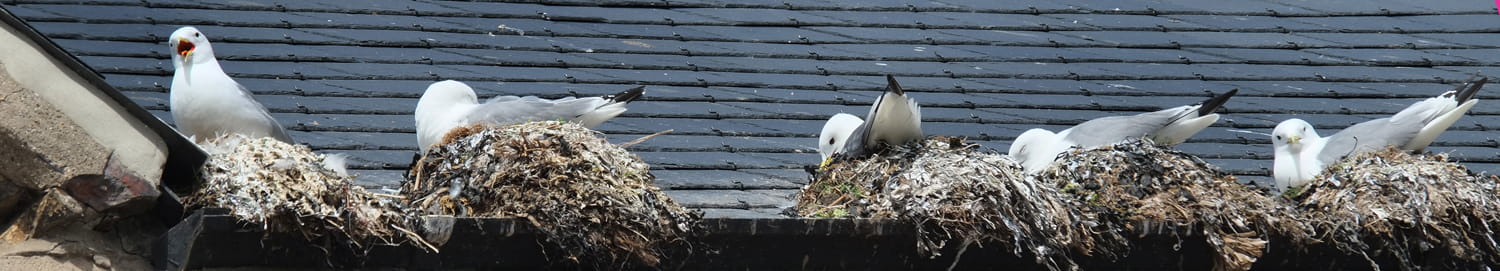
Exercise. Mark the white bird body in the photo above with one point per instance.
(1297, 146)
(1300, 154)
(894, 119)
(1037, 148)
(450, 104)
(205, 101)
(897, 116)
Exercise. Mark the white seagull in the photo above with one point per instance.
(450, 104)
(1301, 154)
(894, 119)
(205, 101)
(1037, 148)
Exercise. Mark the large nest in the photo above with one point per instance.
(1411, 211)
(1138, 187)
(288, 188)
(591, 200)
(952, 192)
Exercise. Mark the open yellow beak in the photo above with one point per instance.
(825, 162)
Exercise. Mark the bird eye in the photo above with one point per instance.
(830, 141)
(197, 34)
(1278, 137)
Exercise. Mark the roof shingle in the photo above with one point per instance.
(746, 85)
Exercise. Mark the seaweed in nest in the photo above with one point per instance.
(952, 192)
(591, 200)
(1139, 187)
(287, 188)
(1412, 211)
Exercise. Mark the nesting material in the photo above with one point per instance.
(1413, 211)
(952, 192)
(1139, 188)
(592, 201)
(289, 189)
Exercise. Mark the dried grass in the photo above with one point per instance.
(592, 201)
(1422, 211)
(952, 192)
(287, 189)
(1139, 188)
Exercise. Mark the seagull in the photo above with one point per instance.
(1301, 154)
(205, 101)
(1037, 148)
(450, 104)
(895, 119)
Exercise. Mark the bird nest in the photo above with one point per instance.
(951, 192)
(590, 200)
(1140, 188)
(289, 189)
(1392, 208)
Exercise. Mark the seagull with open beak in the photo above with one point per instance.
(205, 101)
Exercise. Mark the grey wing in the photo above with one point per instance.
(1111, 130)
(855, 145)
(1366, 136)
(506, 110)
(278, 132)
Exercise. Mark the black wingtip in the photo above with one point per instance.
(1217, 101)
(1470, 88)
(892, 86)
(628, 95)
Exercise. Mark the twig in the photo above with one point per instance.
(416, 237)
(644, 138)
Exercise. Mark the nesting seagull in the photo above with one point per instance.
(205, 101)
(450, 104)
(1301, 154)
(1037, 148)
(894, 119)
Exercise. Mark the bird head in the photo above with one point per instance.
(1031, 148)
(189, 46)
(1291, 134)
(835, 134)
(437, 100)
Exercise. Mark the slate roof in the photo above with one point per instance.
(746, 85)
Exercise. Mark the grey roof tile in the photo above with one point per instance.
(1368, 24)
(762, 16)
(1347, 7)
(774, 34)
(378, 159)
(1244, 8)
(1272, 56)
(1252, 40)
(1385, 40)
(1023, 38)
(896, 35)
(1129, 22)
(1248, 23)
(720, 179)
(1000, 21)
(745, 88)
(889, 18)
(728, 199)
(1393, 57)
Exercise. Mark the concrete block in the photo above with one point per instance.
(54, 209)
(40, 146)
(118, 190)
